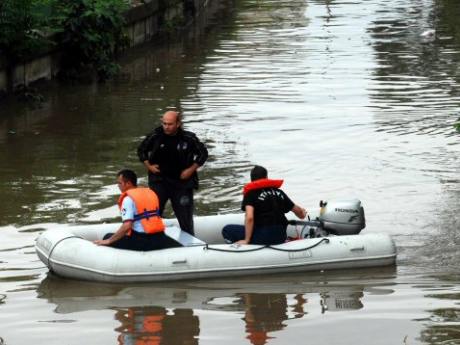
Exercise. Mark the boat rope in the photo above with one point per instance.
(55, 245)
(325, 240)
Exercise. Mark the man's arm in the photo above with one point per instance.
(122, 231)
(248, 225)
(299, 211)
(144, 150)
(153, 168)
(200, 154)
(187, 173)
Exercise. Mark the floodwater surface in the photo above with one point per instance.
(341, 99)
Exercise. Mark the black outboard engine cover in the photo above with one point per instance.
(344, 217)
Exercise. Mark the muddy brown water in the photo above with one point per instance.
(342, 99)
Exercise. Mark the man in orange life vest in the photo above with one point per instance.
(264, 205)
(142, 227)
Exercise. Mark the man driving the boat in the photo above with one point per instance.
(265, 206)
(142, 228)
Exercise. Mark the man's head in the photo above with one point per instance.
(126, 179)
(171, 122)
(258, 172)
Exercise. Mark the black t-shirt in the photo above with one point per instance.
(168, 157)
(270, 205)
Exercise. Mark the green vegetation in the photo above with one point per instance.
(171, 26)
(89, 32)
(92, 33)
(23, 24)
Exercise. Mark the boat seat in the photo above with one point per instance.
(184, 238)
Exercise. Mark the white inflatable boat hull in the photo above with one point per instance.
(69, 252)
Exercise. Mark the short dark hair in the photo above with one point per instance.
(128, 175)
(258, 172)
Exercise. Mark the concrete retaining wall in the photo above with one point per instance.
(144, 22)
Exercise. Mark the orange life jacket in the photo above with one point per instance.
(262, 183)
(147, 207)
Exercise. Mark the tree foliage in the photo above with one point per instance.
(92, 33)
(23, 27)
(88, 32)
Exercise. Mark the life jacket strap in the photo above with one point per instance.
(147, 214)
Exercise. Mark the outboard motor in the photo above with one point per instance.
(344, 217)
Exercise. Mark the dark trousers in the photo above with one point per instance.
(144, 242)
(181, 202)
(273, 234)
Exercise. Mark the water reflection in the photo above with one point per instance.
(341, 300)
(415, 81)
(334, 291)
(169, 313)
(156, 325)
(444, 328)
(265, 314)
(443, 323)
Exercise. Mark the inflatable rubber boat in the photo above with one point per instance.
(330, 240)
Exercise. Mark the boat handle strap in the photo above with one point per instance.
(55, 245)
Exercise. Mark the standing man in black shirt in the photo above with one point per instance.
(172, 157)
(264, 205)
